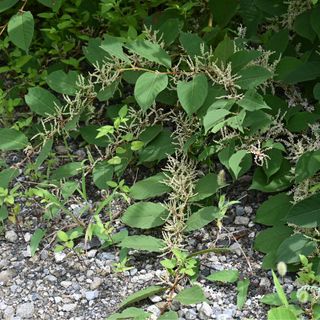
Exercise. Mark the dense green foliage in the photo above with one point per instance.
(131, 83)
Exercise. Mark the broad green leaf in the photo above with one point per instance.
(150, 133)
(141, 295)
(62, 82)
(94, 53)
(316, 91)
(11, 139)
(241, 58)
(281, 313)
(7, 4)
(201, 218)
(252, 101)
(205, 187)
(280, 291)
(44, 153)
(223, 11)
(192, 94)
(273, 163)
(253, 76)
(7, 175)
(89, 134)
(225, 276)
(278, 42)
(102, 173)
(130, 313)
(150, 51)
(192, 43)
(242, 288)
(53, 4)
(108, 92)
(148, 86)
(145, 215)
(271, 299)
(307, 165)
(238, 164)
(290, 249)
(20, 29)
(170, 315)
(301, 121)
(224, 50)
(114, 46)
(146, 243)
(273, 211)
(270, 239)
(303, 72)
(170, 29)
(41, 101)
(302, 25)
(285, 67)
(3, 213)
(62, 236)
(213, 117)
(149, 188)
(315, 21)
(36, 239)
(159, 148)
(191, 295)
(306, 213)
(67, 170)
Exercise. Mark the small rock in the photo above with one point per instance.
(51, 278)
(61, 149)
(235, 247)
(133, 271)
(66, 284)
(265, 282)
(11, 236)
(248, 210)
(241, 220)
(59, 256)
(205, 311)
(57, 300)
(25, 310)
(96, 283)
(8, 313)
(68, 307)
(44, 254)
(155, 299)
(240, 211)
(154, 310)
(6, 276)
(27, 237)
(190, 314)
(107, 256)
(91, 295)
(91, 253)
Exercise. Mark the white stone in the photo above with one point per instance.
(91, 295)
(241, 220)
(96, 283)
(11, 236)
(25, 310)
(154, 310)
(155, 299)
(59, 256)
(205, 311)
(235, 247)
(69, 307)
(66, 284)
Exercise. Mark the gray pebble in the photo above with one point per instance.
(241, 220)
(68, 307)
(91, 295)
(205, 311)
(11, 236)
(235, 247)
(25, 310)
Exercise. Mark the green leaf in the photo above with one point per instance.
(280, 291)
(271, 299)
(89, 134)
(150, 51)
(149, 188)
(170, 29)
(242, 288)
(315, 21)
(274, 210)
(301, 121)
(252, 101)
(302, 26)
(224, 50)
(270, 239)
(62, 236)
(308, 165)
(145, 215)
(201, 218)
(158, 148)
(41, 101)
(170, 315)
(114, 46)
(306, 213)
(223, 11)
(7, 175)
(192, 43)
(147, 87)
(150, 133)
(213, 117)
(290, 249)
(273, 163)
(241, 58)
(3, 213)
(66, 171)
(240, 162)
(102, 172)
(253, 76)
(36, 239)
(192, 94)
(11, 139)
(225, 276)
(303, 72)
(141, 295)
(94, 53)
(44, 153)
(20, 29)
(147, 243)
(190, 295)
(281, 313)
(130, 313)
(62, 82)
(7, 4)
(205, 187)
